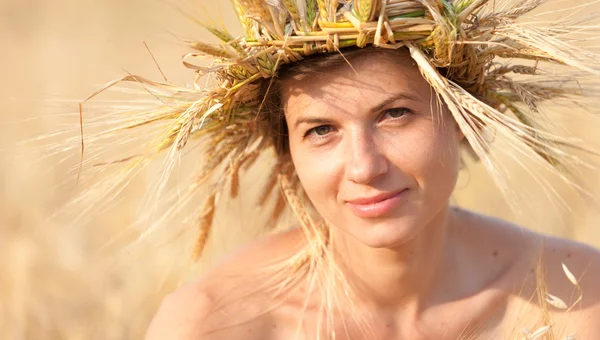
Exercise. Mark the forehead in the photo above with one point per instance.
(360, 83)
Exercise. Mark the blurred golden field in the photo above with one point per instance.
(66, 278)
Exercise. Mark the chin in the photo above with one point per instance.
(386, 232)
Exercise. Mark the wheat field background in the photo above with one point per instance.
(65, 278)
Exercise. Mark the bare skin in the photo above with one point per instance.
(379, 162)
(499, 299)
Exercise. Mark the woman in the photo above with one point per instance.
(378, 156)
(367, 104)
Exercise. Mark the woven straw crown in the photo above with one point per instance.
(475, 45)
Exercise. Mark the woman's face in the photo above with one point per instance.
(376, 154)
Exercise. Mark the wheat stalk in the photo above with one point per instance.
(205, 225)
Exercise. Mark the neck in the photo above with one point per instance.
(400, 277)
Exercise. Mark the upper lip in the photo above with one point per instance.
(374, 199)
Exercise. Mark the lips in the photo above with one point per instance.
(376, 206)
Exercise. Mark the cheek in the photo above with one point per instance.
(441, 161)
(429, 154)
(318, 173)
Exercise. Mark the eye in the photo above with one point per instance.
(397, 112)
(321, 130)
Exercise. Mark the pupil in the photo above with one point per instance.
(396, 113)
(322, 130)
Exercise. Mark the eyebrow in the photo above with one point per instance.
(378, 107)
(311, 120)
(393, 98)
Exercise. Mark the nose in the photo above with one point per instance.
(365, 160)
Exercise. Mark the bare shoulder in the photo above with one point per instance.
(181, 315)
(227, 302)
(526, 248)
(577, 284)
(581, 260)
(570, 272)
(524, 254)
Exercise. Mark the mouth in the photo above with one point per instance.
(376, 206)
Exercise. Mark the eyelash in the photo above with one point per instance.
(312, 131)
(403, 109)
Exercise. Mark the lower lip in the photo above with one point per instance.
(377, 209)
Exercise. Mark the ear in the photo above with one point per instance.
(446, 112)
(457, 131)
